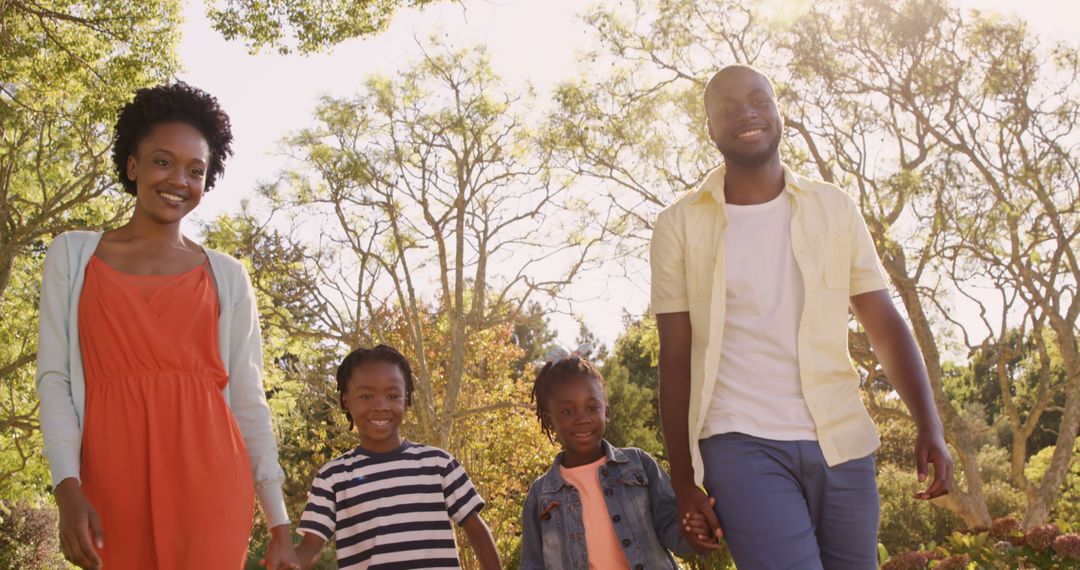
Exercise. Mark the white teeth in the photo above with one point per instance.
(380, 422)
(749, 134)
(171, 197)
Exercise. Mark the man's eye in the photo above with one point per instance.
(594, 408)
(161, 162)
(365, 396)
(567, 412)
(394, 396)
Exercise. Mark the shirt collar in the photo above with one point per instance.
(553, 480)
(713, 185)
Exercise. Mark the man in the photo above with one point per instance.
(752, 276)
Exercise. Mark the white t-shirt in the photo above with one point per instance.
(758, 389)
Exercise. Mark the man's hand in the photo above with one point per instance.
(697, 521)
(930, 448)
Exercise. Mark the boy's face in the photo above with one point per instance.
(375, 397)
(578, 412)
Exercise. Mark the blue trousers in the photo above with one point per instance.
(781, 506)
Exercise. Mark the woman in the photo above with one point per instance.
(154, 419)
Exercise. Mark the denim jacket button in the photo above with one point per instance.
(639, 567)
(626, 542)
(616, 518)
(609, 492)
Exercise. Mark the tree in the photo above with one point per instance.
(928, 117)
(305, 26)
(430, 179)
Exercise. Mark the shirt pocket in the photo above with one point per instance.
(835, 252)
(635, 493)
(700, 262)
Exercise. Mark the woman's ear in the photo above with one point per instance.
(132, 166)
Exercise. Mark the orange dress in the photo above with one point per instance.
(163, 461)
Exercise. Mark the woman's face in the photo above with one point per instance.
(169, 171)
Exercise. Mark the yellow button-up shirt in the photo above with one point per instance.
(836, 256)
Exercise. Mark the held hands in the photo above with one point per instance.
(930, 448)
(80, 526)
(697, 521)
(280, 554)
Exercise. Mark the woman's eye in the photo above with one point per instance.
(594, 408)
(567, 412)
(161, 162)
(394, 396)
(197, 172)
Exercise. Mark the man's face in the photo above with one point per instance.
(744, 122)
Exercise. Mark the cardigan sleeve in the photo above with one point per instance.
(248, 399)
(60, 429)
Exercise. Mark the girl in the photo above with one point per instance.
(153, 414)
(598, 506)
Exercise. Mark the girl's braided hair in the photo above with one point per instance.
(554, 373)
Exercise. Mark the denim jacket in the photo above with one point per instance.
(639, 500)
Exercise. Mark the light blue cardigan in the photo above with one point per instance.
(62, 387)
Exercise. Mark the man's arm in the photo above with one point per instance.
(904, 367)
(482, 542)
(675, 338)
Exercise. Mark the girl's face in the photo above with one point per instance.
(578, 412)
(169, 171)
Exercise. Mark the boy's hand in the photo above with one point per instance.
(696, 530)
(80, 526)
(280, 555)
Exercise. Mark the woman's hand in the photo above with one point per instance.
(280, 555)
(80, 526)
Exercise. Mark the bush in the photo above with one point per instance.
(1003, 547)
(28, 536)
(906, 523)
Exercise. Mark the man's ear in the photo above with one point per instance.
(132, 165)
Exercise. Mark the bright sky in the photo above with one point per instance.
(268, 96)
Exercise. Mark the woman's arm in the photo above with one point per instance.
(247, 399)
(60, 429)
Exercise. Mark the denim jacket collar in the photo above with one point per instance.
(554, 481)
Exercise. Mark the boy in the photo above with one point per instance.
(389, 503)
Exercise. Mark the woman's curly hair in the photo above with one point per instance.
(164, 104)
(552, 374)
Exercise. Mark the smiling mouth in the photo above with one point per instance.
(581, 435)
(171, 197)
(380, 423)
(750, 133)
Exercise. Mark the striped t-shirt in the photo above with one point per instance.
(391, 510)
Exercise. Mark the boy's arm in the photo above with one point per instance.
(675, 338)
(904, 367)
(532, 543)
(483, 544)
(308, 551)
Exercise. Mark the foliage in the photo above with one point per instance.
(28, 536)
(1067, 508)
(1004, 546)
(305, 26)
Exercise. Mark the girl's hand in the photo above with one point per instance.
(280, 555)
(696, 530)
(80, 526)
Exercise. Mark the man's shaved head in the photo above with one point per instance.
(714, 89)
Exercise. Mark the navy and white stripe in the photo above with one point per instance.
(391, 510)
